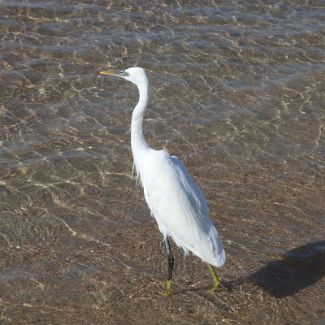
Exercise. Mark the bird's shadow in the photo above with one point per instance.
(298, 269)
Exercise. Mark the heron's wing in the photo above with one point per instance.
(180, 207)
(195, 195)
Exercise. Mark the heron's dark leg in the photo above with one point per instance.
(170, 260)
(216, 279)
(169, 288)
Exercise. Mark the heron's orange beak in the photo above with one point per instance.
(108, 73)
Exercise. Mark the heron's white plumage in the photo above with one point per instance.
(176, 202)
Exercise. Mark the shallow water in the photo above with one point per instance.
(237, 91)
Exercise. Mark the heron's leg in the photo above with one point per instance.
(216, 279)
(169, 288)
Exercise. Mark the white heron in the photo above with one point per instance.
(174, 199)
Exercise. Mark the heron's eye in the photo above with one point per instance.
(123, 73)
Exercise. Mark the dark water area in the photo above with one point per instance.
(237, 91)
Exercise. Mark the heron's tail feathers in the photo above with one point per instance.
(216, 254)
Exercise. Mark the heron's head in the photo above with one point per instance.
(136, 75)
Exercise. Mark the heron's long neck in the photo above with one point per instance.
(138, 142)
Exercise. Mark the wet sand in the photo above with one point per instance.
(237, 92)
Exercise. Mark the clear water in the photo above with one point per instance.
(237, 91)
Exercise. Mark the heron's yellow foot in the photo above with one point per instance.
(169, 289)
(217, 285)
